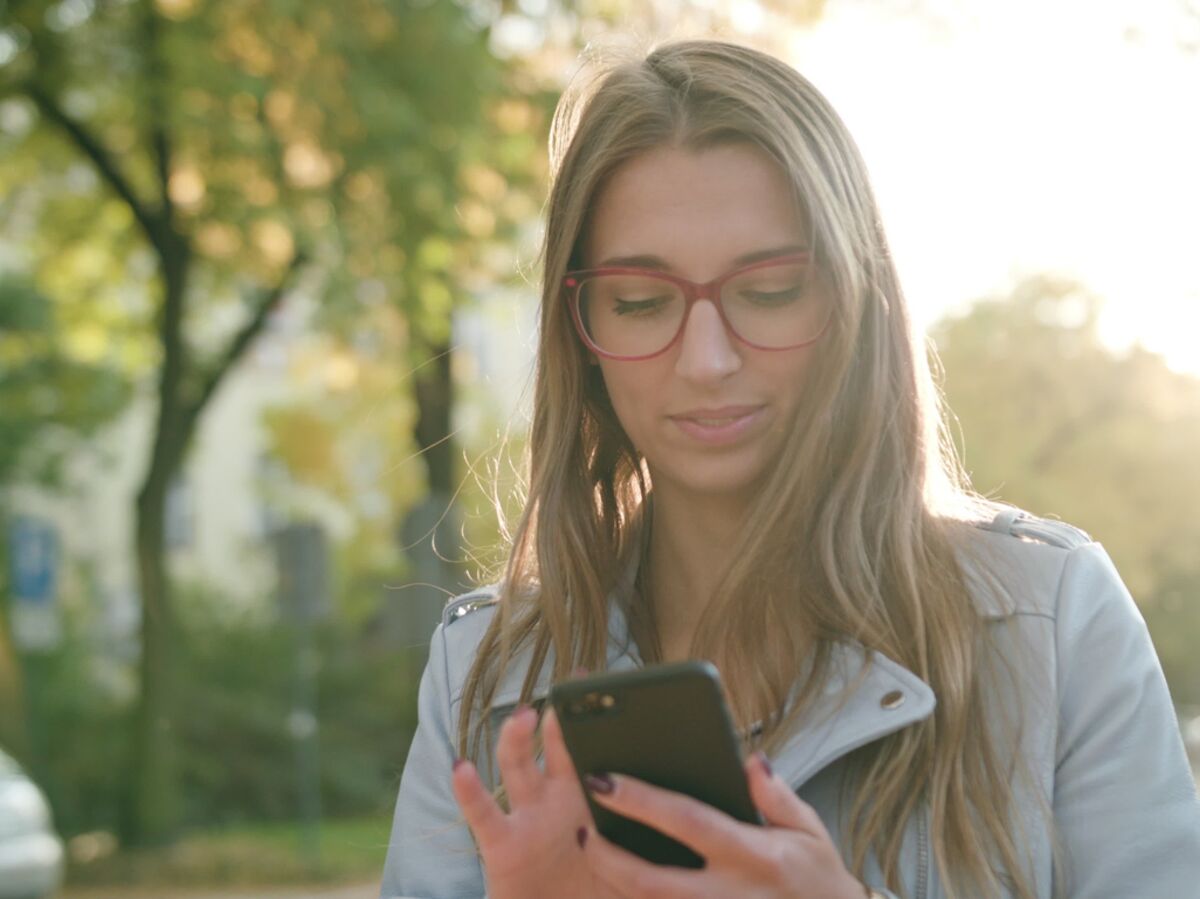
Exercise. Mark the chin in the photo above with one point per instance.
(716, 484)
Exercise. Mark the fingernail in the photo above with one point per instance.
(581, 836)
(579, 672)
(765, 762)
(457, 763)
(599, 783)
(524, 710)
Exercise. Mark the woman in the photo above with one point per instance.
(737, 455)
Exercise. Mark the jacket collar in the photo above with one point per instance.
(866, 697)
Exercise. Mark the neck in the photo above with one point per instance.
(691, 547)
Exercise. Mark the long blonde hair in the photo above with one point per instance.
(859, 534)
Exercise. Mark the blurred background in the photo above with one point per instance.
(267, 288)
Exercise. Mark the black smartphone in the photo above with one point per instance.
(664, 724)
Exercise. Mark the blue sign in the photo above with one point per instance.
(33, 559)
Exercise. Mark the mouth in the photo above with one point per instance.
(717, 426)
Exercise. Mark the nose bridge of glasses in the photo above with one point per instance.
(708, 290)
(697, 292)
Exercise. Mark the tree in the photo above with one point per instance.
(240, 142)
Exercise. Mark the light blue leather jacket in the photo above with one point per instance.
(1112, 759)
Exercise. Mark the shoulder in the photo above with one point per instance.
(1012, 522)
(482, 598)
(465, 620)
(1016, 563)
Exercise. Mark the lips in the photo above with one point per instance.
(726, 424)
(720, 415)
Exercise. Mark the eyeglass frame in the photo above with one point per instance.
(693, 292)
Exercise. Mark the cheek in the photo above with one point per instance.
(791, 376)
(632, 393)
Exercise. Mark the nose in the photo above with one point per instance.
(707, 351)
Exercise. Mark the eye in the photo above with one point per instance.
(639, 307)
(774, 297)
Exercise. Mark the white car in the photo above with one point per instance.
(31, 854)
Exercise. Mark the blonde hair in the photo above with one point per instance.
(859, 534)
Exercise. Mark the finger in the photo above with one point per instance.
(484, 816)
(558, 760)
(777, 802)
(514, 753)
(630, 876)
(704, 829)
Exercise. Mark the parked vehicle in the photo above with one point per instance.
(31, 854)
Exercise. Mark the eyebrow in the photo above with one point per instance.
(650, 261)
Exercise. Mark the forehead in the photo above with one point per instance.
(698, 210)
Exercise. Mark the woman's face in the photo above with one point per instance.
(710, 414)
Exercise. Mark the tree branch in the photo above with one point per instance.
(155, 75)
(148, 218)
(241, 341)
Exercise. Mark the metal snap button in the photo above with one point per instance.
(892, 700)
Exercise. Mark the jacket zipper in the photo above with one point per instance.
(922, 856)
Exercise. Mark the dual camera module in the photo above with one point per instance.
(591, 704)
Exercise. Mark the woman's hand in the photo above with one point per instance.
(532, 852)
(792, 856)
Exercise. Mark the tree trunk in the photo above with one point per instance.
(435, 405)
(149, 813)
(429, 536)
(149, 802)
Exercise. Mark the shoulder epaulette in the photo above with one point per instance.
(1019, 523)
(461, 606)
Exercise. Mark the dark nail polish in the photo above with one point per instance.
(599, 783)
(765, 762)
(581, 836)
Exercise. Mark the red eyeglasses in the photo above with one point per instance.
(632, 314)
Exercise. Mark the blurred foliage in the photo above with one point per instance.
(52, 397)
(235, 695)
(284, 124)
(49, 396)
(238, 764)
(1053, 421)
(345, 439)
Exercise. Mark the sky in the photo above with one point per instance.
(1007, 138)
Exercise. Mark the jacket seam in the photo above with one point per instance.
(451, 724)
(1059, 639)
(1029, 614)
(923, 855)
(1062, 576)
